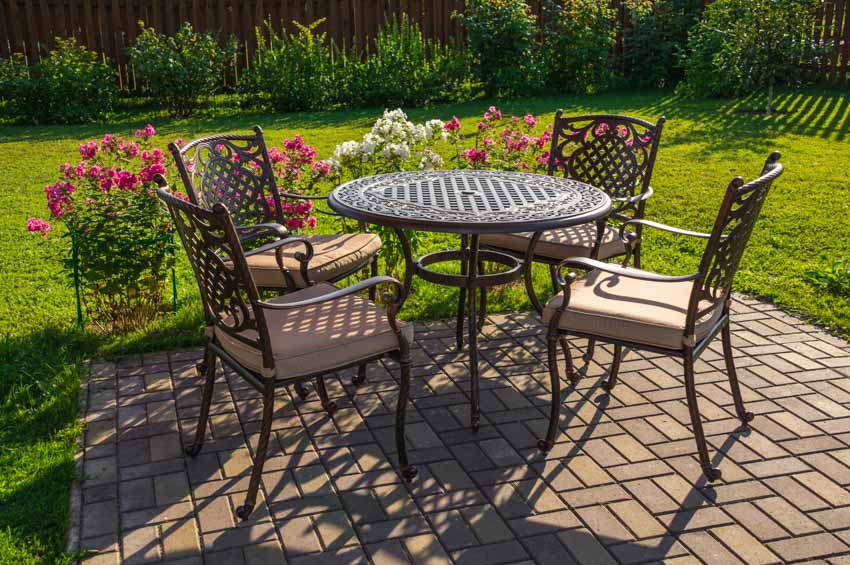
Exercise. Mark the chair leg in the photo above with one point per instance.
(611, 382)
(408, 471)
(360, 377)
(545, 445)
(328, 404)
(373, 272)
(461, 312)
(568, 356)
(745, 417)
(482, 307)
(302, 391)
(591, 348)
(244, 511)
(208, 365)
(711, 473)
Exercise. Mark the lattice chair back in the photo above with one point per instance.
(232, 170)
(218, 261)
(611, 152)
(738, 213)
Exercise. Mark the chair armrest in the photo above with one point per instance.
(353, 289)
(637, 198)
(664, 227)
(308, 247)
(301, 196)
(592, 264)
(247, 233)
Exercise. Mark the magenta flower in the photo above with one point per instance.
(475, 156)
(38, 225)
(530, 121)
(452, 125)
(88, 150)
(322, 169)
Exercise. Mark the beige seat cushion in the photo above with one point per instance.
(334, 255)
(646, 312)
(319, 338)
(576, 241)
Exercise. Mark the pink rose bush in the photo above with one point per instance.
(120, 234)
(297, 172)
(503, 143)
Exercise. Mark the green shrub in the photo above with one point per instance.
(503, 40)
(655, 41)
(405, 68)
(70, 85)
(290, 71)
(578, 38)
(835, 279)
(742, 46)
(182, 71)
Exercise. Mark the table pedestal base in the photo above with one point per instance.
(470, 279)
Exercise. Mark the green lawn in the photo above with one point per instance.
(705, 143)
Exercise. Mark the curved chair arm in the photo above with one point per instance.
(353, 289)
(664, 227)
(295, 196)
(247, 233)
(592, 264)
(308, 247)
(637, 198)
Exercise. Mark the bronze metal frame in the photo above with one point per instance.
(235, 170)
(233, 304)
(592, 149)
(712, 282)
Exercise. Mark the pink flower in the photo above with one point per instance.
(67, 170)
(178, 142)
(294, 223)
(452, 125)
(147, 173)
(132, 149)
(475, 156)
(602, 128)
(146, 133)
(493, 113)
(322, 168)
(482, 126)
(530, 121)
(38, 225)
(303, 207)
(488, 142)
(88, 150)
(311, 222)
(127, 180)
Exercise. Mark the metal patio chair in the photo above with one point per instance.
(676, 315)
(303, 335)
(612, 152)
(236, 171)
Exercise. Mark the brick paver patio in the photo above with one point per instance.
(623, 484)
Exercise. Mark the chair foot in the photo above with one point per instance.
(359, 378)
(302, 391)
(712, 474)
(409, 473)
(194, 449)
(201, 367)
(475, 422)
(545, 446)
(608, 386)
(331, 407)
(243, 512)
(747, 418)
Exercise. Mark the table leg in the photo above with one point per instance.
(472, 324)
(529, 273)
(461, 302)
(408, 265)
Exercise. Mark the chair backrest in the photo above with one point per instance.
(738, 213)
(227, 288)
(233, 170)
(611, 152)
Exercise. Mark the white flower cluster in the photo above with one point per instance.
(430, 160)
(393, 138)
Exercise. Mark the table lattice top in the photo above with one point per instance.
(470, 201)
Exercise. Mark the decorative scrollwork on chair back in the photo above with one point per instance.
(736, 219)
(217, 259)
(611, 152)
(232, 170)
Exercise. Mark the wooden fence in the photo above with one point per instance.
(109, 26)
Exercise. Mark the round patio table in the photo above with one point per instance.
(470, 203)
